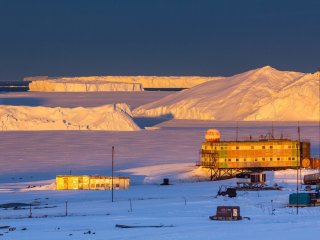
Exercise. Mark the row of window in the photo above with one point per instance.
(259, 159)
(245, 148)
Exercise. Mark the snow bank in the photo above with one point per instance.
(120, 82)
(176, 172)
(116, 117)
(290, 175)
(82, 86)
(261, 94)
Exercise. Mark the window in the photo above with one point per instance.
(244, 159)
(252, 147)
(263, 159)
(289, 146)
(270, 159)
(278, 158)
(256, 160)
(221, 148)
(263, 147)
(293, 158)
(237, 147)
(271, 147)
(237, 160)
(289, 158)
(229, 160)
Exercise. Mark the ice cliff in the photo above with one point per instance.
(60, 85)
(113, 83)
(260, 94)
(115, 117)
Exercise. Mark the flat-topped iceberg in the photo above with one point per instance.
(114, 83)
(60, 85)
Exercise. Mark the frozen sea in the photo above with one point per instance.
(41, 155)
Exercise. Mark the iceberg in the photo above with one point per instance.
(113, 83)
(260, 94)
(113, 117)
(60, 85)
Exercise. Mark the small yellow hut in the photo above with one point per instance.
(91, 182)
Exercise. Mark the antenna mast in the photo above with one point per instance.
(237, 132)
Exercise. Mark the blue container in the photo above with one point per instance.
(301, 198)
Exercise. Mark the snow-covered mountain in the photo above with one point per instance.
(66, 83)
(115, 117)
(260, 94)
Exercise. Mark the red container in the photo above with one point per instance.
(228, 212)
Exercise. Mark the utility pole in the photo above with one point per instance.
(298, 159)
(112, 173)
(318, 70)
(30, 210)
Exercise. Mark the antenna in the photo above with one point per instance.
(237, 132)
(272, 136)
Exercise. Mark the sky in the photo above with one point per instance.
(156, 37)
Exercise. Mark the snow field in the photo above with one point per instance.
(186, 206)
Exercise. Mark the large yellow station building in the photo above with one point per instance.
(266, 153)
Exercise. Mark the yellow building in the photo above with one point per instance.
(267, 153)
(91, 182)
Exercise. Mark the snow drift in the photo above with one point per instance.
(120, 83)
(261, 94)
(82, 86)
(115, 117)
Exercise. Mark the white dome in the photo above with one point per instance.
(212, 135)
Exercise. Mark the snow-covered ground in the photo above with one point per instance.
(82, 86)
(260, 94)
(115, 117)
(49, 84)
(182, 209)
